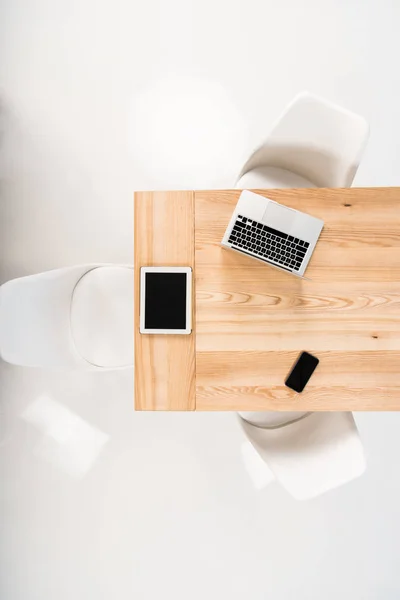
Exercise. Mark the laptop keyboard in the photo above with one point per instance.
(267, 243)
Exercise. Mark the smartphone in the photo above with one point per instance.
(301, 372)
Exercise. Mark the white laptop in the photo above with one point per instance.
(280, 236)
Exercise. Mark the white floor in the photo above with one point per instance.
(100, 98)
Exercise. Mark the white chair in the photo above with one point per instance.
(308, 456)
(75, 317)
(313, 144)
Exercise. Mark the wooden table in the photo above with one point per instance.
(251, 321)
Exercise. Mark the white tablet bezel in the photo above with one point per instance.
(188, 272)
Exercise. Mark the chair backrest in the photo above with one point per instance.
(312, 455)
(315, 139)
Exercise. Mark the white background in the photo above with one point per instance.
(98, 99)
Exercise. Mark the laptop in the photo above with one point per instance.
(278, 235)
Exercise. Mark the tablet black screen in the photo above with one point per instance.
(165, 303)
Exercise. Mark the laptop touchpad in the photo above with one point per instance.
(279, 217)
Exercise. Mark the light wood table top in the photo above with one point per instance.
(251, 321)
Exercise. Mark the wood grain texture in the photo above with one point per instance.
(252, 321)
(164, 364)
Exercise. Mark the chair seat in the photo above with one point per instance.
(271, 419)
(272, 178)
(102, 317)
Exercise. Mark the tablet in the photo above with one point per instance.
(166, 300)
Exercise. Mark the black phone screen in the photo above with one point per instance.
(301, 372)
